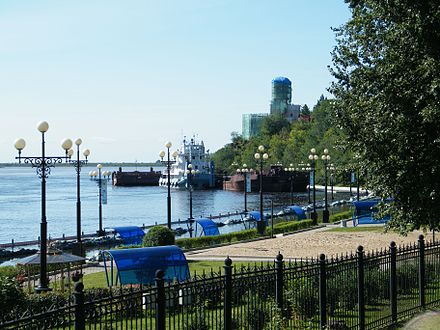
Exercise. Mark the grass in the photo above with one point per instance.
(377, 229)
(98, 280)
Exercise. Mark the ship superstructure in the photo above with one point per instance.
(194, 153)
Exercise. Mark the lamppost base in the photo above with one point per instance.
(100, 233)
(191, 228)
(325, 216)
(78, 250)
(314, 217)
(261, 227)
(40, 289)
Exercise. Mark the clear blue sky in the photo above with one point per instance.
(126, 76)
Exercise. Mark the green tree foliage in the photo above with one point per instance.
(387, 70)
(305, 110)
(287, 143)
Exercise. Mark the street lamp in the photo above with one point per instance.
(260, 155)
(313, 157)
(190, 172)
(97, 176)
(245, 171)
(43, 165)
(78, 163)
(325, 215)
(291, 170)
(332, 169)
(168, 164)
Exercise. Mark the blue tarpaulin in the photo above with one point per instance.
(209, 227)
(139, 265)
(364, 212)
(298, 211)
(256, 216)
(130, 234)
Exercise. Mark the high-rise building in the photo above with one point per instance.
(251, 124)
(282, 98)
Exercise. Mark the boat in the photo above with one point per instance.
(136, 178)
(194, 153)
(276, 179)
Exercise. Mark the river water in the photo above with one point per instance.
(20, 203)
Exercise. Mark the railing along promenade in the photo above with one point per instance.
(362, 290)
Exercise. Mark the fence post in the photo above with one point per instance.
(78, 299)
(322, 292)
(228, 294)
(279, 280)
(422, 271)
(393, 281)
(361, 286)
(160, 300)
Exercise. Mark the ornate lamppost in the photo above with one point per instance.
(259, 156)
(78, 163)
(332, 169)
(97, 176)
(168, 164)
(190, 173)
(313, 157)
(244, 171)
(43, 164)
(291, 170)
(325, 214)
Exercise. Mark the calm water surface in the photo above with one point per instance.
(20, 203)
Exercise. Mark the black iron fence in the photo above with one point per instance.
(370, 290)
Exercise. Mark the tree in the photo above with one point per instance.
(274, 124)
(305, 110)
(387, 69)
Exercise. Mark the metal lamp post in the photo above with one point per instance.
(291, 170)
(332, 169)
(168, 164)
(244, 171)
(259, 156)
(313, 157)
(43, 165)
(325, 214)
(97, 176)
(78, 163)
(190, 172)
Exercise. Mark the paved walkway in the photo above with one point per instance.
(426, 321)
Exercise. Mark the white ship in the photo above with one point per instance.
(191, 152)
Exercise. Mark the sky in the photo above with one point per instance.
(128, 76)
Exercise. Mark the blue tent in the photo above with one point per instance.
(298, 211)
(256, 215)
(139, 265)
(130, 234)
(209, 227)
(364, 212)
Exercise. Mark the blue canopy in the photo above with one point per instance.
(364, 212)
(298, 211)
(139, 265)
(209, 227)
(130, 234)
(256, 215)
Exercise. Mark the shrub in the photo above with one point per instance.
(159, 236)
(341, 216)
(286, 227)
(11, 297)
(9, 271)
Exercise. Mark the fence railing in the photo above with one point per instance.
(363, 290)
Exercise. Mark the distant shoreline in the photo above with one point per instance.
(108, 164)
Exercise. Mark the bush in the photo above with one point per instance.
(9, 271)
(204, 241)
(341, 216)
(159, 236)
(11, 297)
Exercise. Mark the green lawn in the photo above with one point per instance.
(378, 229)
(98, 280)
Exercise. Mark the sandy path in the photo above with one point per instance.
(306, 244)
